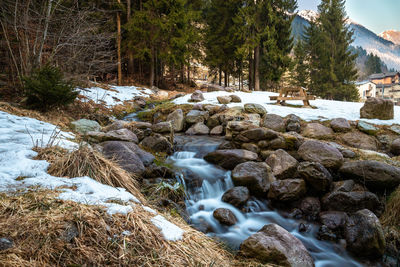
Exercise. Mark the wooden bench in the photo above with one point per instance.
(293, 93)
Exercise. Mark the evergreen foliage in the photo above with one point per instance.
(373, 64)
(46, 88)
(300, 72)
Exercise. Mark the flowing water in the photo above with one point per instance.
(205, 197)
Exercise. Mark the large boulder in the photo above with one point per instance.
(287, 190)
(255, 108)
(364, 235)
(83, 126)
(377, 108)
(360, 140)
(340, 125)
(274, 122)
(225, 216)
(195, 116)
(157, 143)
(367, 128)
(273, 244)
(283, 165)
(177, 120)
(224, 99)
(230, 158)
(374, 174)
(317, 130)
(316, 175)
(315, 151)
(257, 134)
(116, 135)
(197, 96)
(198, 129)
(256, 176)
(162, 127)
(236, 196)
(128, 155)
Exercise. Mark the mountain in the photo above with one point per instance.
(388, 51)
(391, 35)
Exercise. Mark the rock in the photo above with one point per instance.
(274, 122)
(256, 176)
(140, 125)
(198, 129)
(377, 108)
(374, 174)
(257, 134)
(218, 130)
(160, 95)
(83, 126)
(334, 220)
(155, 171)
(5, 243)
(324, 233)
(283, 165)
(214, 88)
(311, 207)
(251, 147)
(70, 232)
(224, 99)
(255, 108)
(197, 96)
(213, 121)
(349, 154)
(320, 152)
(116, 135)
(157, 143)
(395, 147)
(351, 201)
(287, 190)
(316, 175)
(273, 244)
(293, 123)
(225, 216)
(128, 155)
(236, 196)
(177, 120)
(235, 99)
(360, 140)
(316, 130)
(395, 129)
(253, 118)
(116, 125)
(162, 127)
(340, 125)
(367, 128)
(364, 235)
(230, 158)
(195, 116)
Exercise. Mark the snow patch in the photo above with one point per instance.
(170, 231)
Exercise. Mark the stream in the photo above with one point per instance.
(203, 198)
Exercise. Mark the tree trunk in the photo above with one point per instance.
(46, 27)
(131, 68)
(225, 79)
(256, 68)
(119, 47)
(251, 71)
(220, 77)
(151, 81)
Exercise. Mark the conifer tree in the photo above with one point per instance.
(300, 72)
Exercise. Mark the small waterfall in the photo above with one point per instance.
(204, 196)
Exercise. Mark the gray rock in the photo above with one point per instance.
(334, 220)
(395, 147)
(236, 196)
(230, 158)
(198, 129)
(235, 99)
(367, 128)
(360, 140)
(225, 216)
(83, 126)
(255, 108)
(293, 123)
(273, 244)
(224, 99)
(217, 130)
(316, 175)
(377, 108)
(274, 122)
(316, 130)
(256, 176)
(116, 125)
(364, 235)
(340, 125)
(5, 243)
(287, 190)
(213, 121)
(197, 96)
(162, 127)
(320, 152)
(157, 143)
(283, 165)
(251, 147)
(116, 135)
(257, 134)
(177, 120)
(395, 128)
(374, 174)
(347, 153)
(195, 116)
(311, 207)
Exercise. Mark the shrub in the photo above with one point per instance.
(46, 88)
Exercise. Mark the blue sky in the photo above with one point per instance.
(376, 15)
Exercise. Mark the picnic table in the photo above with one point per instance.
(293, 93)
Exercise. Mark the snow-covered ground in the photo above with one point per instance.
(326, 109)
(18, 170)
(116, 95)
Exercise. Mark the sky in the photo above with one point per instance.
(376, 15)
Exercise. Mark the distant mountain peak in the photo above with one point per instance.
(392, 36)
(308, 14)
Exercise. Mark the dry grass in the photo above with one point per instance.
(88, 162)
(391, 216)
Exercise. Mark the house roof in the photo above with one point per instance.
(383, 75)
(363, 82)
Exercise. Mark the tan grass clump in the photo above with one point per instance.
(88, 162)
(51, 232)
(391, 216)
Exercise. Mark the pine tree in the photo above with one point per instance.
(300, 72)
